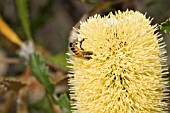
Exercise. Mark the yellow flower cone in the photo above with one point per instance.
(126, 73)
(9, 33)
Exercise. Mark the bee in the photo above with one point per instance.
(79, 51)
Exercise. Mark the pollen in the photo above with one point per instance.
(127, 72)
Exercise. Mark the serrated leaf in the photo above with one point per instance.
(165, 26)
(22, 7)
(12, 84)
(3, 89)
(63, 101)
(40, 71)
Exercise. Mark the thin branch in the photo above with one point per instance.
(60, 73)
(55, 68)
(9, 101)
(22, 105)
(10, 60)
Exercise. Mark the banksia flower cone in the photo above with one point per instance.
(126, 72)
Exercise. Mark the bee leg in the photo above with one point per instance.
(87, 54)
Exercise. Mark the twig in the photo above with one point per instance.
(129, 4)
(55, 107)
(22, 105)
(61, 74)
(8, 102)
(10, 60)
(55, 68)
(27, 73)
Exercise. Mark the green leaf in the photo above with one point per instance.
(63, 101)
(165, 26)
(40, 71)
(24, 16)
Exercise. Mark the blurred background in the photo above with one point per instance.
(51, 23)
